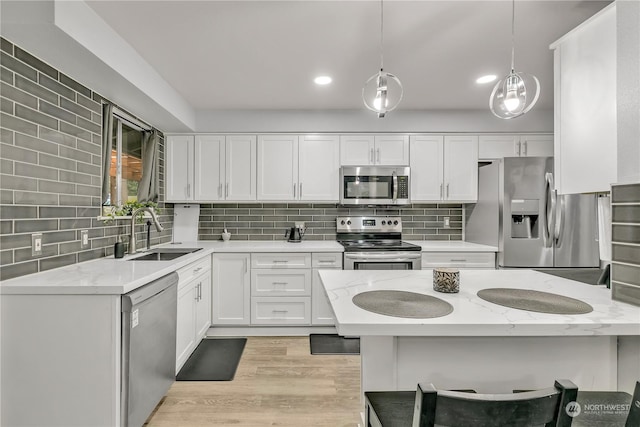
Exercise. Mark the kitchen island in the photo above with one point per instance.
(484, 346)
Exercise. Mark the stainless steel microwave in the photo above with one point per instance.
(375, 185)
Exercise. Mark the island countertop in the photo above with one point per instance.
(473, 316)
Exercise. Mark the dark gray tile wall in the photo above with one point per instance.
(50, 169)
(268, 221)
(625, 236)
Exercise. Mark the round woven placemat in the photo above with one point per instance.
(402, 304)
(541, 302)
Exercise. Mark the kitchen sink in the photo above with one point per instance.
(165, 254)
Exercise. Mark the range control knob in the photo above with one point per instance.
(383, 222)
(342, 222)
(395, 222)
(348, 222)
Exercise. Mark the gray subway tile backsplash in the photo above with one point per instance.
(51, 160)
(625, 236)
(268, 221)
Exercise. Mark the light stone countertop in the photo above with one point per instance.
(471, 315)
(108, 276)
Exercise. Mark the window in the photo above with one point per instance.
(123, 170)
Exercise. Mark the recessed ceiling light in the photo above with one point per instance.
(322, 80)
(486, 79)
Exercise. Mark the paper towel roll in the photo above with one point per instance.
(604, 228)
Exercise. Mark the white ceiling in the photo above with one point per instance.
(222, 55)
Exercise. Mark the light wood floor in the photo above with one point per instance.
(278, 383)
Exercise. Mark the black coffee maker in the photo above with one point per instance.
(294, 234)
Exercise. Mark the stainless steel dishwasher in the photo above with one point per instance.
(148, 348)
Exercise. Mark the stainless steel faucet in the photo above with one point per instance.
(132, 239)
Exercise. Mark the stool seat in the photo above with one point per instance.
(391, 408)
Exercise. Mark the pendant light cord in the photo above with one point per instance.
(513, 31)
(381, 36)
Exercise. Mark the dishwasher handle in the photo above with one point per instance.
(147, 291)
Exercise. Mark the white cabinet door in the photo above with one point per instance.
(498, 146)
(461, 168)
(392, 150)
(240, 168)
(536, 145)
(231, 292)
(319, 167)
(427, 173)
(585, 121)
(186, 324)
(357, 150)
(203, 305)
(209, 173)
(179, 168)
(277, 167)
(321, 311)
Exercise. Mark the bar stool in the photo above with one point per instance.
(428, 407)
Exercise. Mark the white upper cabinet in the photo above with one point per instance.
(358, 150)
(179, 168)
(206, 168)
(240, 167)
(427, 167)
(319, 167)
(585, 106)
(277, 167)
(292, 167)
(500, 146)
(444, 168)
(461, 168)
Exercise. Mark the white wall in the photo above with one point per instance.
(628, 90)
(365, 121)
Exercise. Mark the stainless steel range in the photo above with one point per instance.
(375, 243)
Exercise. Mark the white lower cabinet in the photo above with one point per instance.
(280, 310)
(458, 260)
(231, 289)
(321, 312)
(194, 308)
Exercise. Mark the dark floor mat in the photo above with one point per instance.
(333, 344)
(213, 360)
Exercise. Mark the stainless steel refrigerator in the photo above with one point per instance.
(519, 211)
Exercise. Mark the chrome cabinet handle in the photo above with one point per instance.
(245, 265)
(277, 261)
(447, 190)
(294, 190)
(518, 153)
(378, 155)
(279, 283)
(226, 190)
(525, 148)
(458, 260)
(279, 311)
(371, 158)
(220, 190)
(196, 270)
(301, 190)
(441, 187)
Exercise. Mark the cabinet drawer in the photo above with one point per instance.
(194, 269)
(327, 260)
(280, 310)
(280, 283)
(459, 259)
(281, 260)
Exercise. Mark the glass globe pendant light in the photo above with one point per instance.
(383, 91)
(518, 92)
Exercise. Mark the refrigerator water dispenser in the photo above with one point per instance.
(524, 219)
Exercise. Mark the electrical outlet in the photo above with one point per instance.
(36, 244)
(84, 239)
(447, 223)
(299, 224)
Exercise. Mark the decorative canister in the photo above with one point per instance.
(446, 280)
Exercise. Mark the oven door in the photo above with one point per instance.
(371, 185)
(382, 260)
